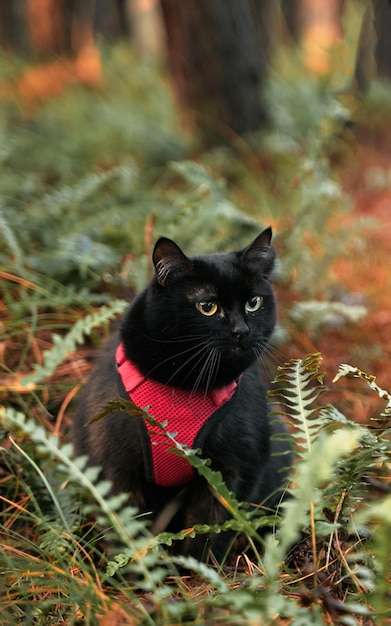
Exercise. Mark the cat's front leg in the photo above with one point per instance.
(201, 506)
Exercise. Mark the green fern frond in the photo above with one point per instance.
(194, 173)
(207, 573)
(299, 385)
(312, 474)
(378, 518)
(206, 198)
(47, 485)
(316, 316)
(122, 524)
(10, 240)
(53, 539)
(63, 346)
(384, 421)
(68, 197)
(76, 471)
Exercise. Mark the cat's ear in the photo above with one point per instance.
(260, 253)
(168, 258)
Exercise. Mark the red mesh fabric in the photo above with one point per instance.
(185, 413)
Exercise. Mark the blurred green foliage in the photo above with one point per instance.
(84, 175)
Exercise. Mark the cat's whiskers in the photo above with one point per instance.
(176, 355)
(203, 349)
(214, 367)
(268, 357)
(261, 348)
(278, 356)
(265, 351)
(207, 370)
(183, 339)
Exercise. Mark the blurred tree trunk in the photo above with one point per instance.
(13, 29)
(61, 38)
(291, 12)
(112, 19)
(50, 24)
(268, 14)
(217, 65)
(383, 32)
(6, 24)
(47, 28)
(383, 48)
(374, 47)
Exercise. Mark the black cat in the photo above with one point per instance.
(188, 348)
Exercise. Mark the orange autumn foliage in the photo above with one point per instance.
(46, 81)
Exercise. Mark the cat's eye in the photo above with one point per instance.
(207, 307)
(253, 304)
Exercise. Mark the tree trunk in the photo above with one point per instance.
(374, 47)
(6, 24)
(50, 23)
(13, 31)
(291, 14)
(216, 62)
(112, 19)
(268, 16)
(383, 31)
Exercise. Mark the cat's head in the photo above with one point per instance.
(207, 318)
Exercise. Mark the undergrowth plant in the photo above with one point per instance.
(324, 560)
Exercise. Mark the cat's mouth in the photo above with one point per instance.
(238, 350)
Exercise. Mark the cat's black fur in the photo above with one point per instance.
(172, 341)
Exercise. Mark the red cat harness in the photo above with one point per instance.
(184, 411)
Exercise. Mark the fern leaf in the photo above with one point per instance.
(300, 384)
(194, 173)
(167, 539)
(69, 196)
(47, 485)
(207, 573)
(63, 346)
(384, 421)
(315, 316)
(311, 475)
(10, 240)
(49, 444)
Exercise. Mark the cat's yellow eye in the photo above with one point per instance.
(253, 304)
(207, 307)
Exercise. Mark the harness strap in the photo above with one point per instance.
(185, 413)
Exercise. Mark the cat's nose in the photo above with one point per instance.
(239, 330)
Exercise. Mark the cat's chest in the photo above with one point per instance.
(241, 428)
